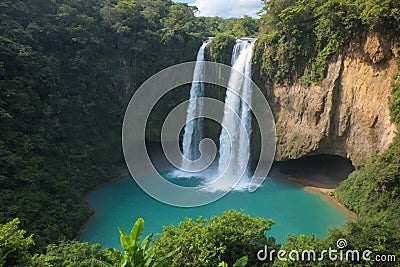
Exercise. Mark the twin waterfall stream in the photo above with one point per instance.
(194, 129)
(233, 149)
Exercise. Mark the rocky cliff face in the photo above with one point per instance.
(348, 114)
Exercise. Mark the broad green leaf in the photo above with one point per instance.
(137, 231)
(240, 262)
(146, 242)
(161, 260)
(124, 262)
(99, 263)
(125, 241)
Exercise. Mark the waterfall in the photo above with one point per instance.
(235, 148)
(193, 131)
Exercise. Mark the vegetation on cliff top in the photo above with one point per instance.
(299, 37)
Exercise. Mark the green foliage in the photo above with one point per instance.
(76, 254)
(395, 103)
(239, 263)
(299, 244)
(205, 242)
(373, 192)
(14, 245)
(245, 27)
(135, 254)
(375, 188)
(216, 25)
(367, 233)
(220, 48)
(298, 38)
(70, 254)
(238, 27)
(14, 248)
(380, 15)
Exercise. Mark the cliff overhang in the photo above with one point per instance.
(348, 114)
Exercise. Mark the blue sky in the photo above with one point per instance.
(226, 8)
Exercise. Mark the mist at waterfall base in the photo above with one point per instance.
(294, 209)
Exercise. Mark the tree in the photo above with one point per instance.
(70, 253)
(205, 242)
(136, 254)
(245, 27)
(220, 48)
(239, 263)
(14, 245)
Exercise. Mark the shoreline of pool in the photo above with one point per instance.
(85, 223)
(322, 190)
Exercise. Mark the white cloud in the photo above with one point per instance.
(228, 8)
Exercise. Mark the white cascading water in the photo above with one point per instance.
(235, 148)
(193, 131)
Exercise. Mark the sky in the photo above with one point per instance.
(226, 8)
